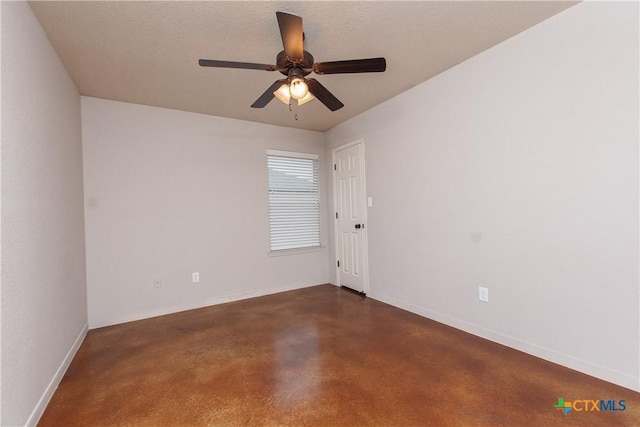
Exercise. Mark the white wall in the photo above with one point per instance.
(168, 193)
(44, 309)
(517, 170)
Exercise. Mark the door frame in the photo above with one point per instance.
(363, 205)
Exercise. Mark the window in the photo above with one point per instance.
(294, 200)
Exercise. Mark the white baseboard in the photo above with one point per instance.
(206, 303)
(622, 379)
(55, 381)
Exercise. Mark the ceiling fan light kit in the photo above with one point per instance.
(284, 95)
(296, 63)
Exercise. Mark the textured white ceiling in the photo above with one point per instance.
(147, 52)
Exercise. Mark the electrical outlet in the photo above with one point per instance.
(195, 277)
(157, 283)
(483, 294)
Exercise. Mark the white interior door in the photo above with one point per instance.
(351, 217)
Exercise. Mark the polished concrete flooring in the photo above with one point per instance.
(316, 356)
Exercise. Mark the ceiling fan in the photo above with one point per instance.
(296, 63)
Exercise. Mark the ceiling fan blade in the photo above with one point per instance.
(232, 64)
(323, 95)
(268, 95)
(371, 65)
(291, 33)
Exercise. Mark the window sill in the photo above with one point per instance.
(284, 252)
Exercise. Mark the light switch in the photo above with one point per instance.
(370, 201)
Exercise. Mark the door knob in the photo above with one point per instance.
(358, 226)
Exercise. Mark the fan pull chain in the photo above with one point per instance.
(293, 106)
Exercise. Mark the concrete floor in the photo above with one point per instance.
(316, 356)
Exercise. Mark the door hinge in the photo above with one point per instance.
(338, 263)
(335, 168)
(336, 215)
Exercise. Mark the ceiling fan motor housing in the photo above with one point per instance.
(285, 63)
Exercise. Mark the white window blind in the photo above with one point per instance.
(294, 200)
